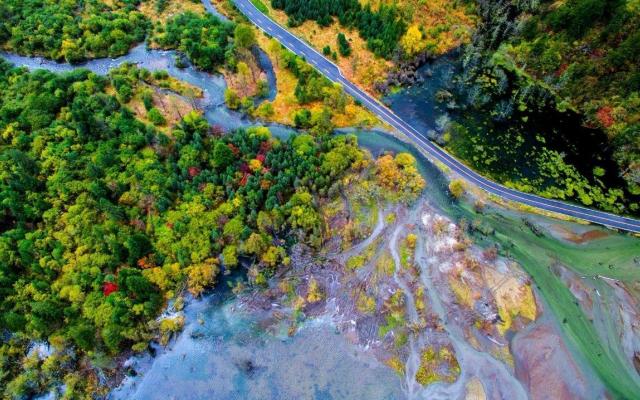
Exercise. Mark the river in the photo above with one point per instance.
(213, 85)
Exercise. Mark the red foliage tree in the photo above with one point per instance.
(244, 179)
(108, 288)
(265, 147)
(217, 130)
(194, 171)
(605, 116)
(234, 149)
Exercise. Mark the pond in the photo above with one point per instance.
(502, 140)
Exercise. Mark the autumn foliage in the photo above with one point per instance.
(108, 288)
(605, 116)
(400, 175)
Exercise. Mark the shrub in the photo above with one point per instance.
(156, 117)
(343, 45)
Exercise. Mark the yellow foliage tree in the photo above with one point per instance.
(412, 41)
(457, 188)
(202, 276)
(400, 175)
(255, 165)
(314, 293)
(411, 240)
(388, 172)
(243, 72)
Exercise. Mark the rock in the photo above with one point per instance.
(197, 335)
(247, 367)
(475, 390)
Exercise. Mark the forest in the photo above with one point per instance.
(105, 218)
(382, 28)
(70, 30)
(75, 31)
(590, 50)
(204, 39)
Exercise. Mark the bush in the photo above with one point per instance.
(302, 119)
(343, 45)
(457, 188)
(156, 117)
(231, 99)
(263, 88)
(147, 100)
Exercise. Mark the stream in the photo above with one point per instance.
(498, 381)
(213, 85)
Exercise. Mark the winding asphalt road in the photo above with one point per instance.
(332, 72)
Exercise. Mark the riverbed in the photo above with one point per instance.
(223, 353)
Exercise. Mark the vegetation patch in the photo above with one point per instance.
(304, 98)
(381, 28)
(513, 299)
(437, 366)
(159, 11)
(260, 6)
(358, 261)
(205, 39)
(385, 265)
(394, 311)
(72, 31)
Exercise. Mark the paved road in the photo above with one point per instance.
(331, 71)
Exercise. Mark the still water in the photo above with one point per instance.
(223, 353)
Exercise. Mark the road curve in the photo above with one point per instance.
(332, 72)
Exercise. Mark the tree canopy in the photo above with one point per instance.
(104, 217)
(71, 30)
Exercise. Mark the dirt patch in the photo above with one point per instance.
(580, 238)
(245, 81)
(543, 364)
(172, 106)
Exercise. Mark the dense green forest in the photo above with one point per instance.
(76, 31)
(71, 30)
(105, 218)
(382, 29)
(204, 39)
